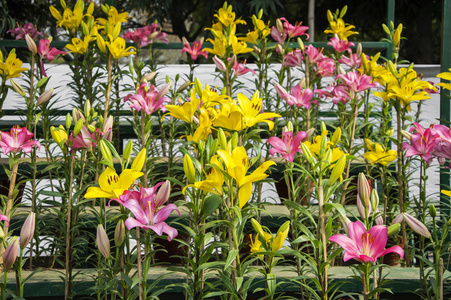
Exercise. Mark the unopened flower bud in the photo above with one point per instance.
(234, 140)
(163, 91)
(128, 150)
(222, 139)
(279, 25)
(364, 190)
(103, 242)
(392, 68)
(359, 50)
(149, 76)
(219, 64)
(432, 211)
(101, 43)
(336, 137)
(163, 194)
(374, 199)
(78, 127)
(119, 233)
(393, 229)
(18, 88)
(337, 170)
(139, 161)
(116, 30)
(91, 128)
(10, 254)
(68, 121)
(345, 222)
(2, 234)
(257, 50)
(280, 49)
(31, 44)
(183, 87)
(300, 43)
(257, 227)
(307, 154)
(310, 133)
(416, 225)
(232, 61)
(406, 134)
(106, 154)
(27, 231)
(44, 97)
(340, 70)
(87, 108)
(188, 167)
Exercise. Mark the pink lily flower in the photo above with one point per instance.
(340, 45)
(422, 143)
(313, 54)
(365, 246)
(299, 97)
(353, 61)
(357, 82)
(294, 30)
(17, 139)
(194, 51)
(240, 69)
(4, 218)
(155, 34)
(287, 146)
(150, 100)
(20, 32)
(338, 93)
(85, 140)
(293, 59)
(139, 36)
(325, 67)
(278, 36)
(148, 215)
(46, 52)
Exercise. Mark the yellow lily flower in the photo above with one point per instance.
(281, 236)
(226, 16)
(219, 47)
(237, 164)
(112, 185)
(239, 47)
(71, 19)
(446, 76)
(117, 48)
(339, 28)
(251, 110)
(79, 46)
(210, 97)
(272, 243)
(378, 154)
(203, 130)
(185, 111)
(59, 135)
(113, 18)
(214, 179)
(228, 116)
(12, 66)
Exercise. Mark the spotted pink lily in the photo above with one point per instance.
(365, 246)
(241, 69)
(17, 139)
(356, 82)
(293, 59)
(294, 30)
(148, 211)
(340, 45)
(149, 99)
(287, 146)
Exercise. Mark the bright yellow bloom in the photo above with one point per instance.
(219, 47)
(113, 185)
(203, 130)
(214, 179)
(12, 66)
(118, 50)
(210, 97)
(226, 16)
(446, 76)
(79, 46)
(239, 47)
(185, 111)
(270, 243)
(59, 134)
(377, 154)
(113, 18)
(251, 110)
(237, 164)
(229, 116)
(339, 28)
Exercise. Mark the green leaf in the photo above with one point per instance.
(210, 205)
(230, 258)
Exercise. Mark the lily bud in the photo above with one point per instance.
(307, 154)
(27, 231)
(222, 139)
(416, 225)
(201, 146)
(432, 211)
(340, 70)
(163, 91)
(31, 44)
(232, 60)
(336, 137)
(10, 254)
(281, 236)
(364, 190)
(397, 35)
(337, 171)
(323, 126)
(103, 242)
(183, 87)
(257, 227)
(323, 145)
(2, 234)
(87, 108)
(78, 127)
(300, 44)
(106, 153)
(116, 30)
(374, 199)
(138, 162)
(279, 25)
(85, 28)
(68, 121)
(359, 49)
(163, 194)
(107, 127)
(91, 128)
(393, 229)
(128, 150)
(326, 159)
(219, 64)
(280, 49)
(406, 134)
(17, 87)
(257, 50)
(364, 61)
(198, 87)
(119, 233)
(101, 43)
(188, 167)
(392, 68)
(234, 140)
(345, 222)
(149, 76)
(289, 126)
(364, 211)
(44, 97)
(310, 133)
